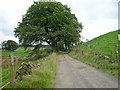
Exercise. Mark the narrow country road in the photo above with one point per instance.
(75, 74)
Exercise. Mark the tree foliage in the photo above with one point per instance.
(9, 45)
(49, 22)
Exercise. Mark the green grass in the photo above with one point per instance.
(22, 53)
(19, 52)
(106, 45)
(5, 71)
(42, 77)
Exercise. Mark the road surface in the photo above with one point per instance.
(75, 74)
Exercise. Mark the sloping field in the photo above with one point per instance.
(105, 44)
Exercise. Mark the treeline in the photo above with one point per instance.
(12, 45)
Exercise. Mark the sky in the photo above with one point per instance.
(97, 16)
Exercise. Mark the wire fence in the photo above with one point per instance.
(8, 67)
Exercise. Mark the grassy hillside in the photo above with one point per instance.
(105, 45)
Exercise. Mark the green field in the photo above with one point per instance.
(19, 52)
(105, 45)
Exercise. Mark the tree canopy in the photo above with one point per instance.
(49, 22)
(9, 45)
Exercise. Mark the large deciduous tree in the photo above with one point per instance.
(49, 22)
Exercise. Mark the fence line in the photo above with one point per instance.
(7, 69)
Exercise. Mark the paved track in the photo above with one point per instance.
(75, 74)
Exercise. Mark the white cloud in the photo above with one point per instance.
(7, 37)
(101, 26)
(11, 12)
(98, 16)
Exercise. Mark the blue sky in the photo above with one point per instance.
(97, 16)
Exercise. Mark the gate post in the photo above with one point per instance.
(11, 69)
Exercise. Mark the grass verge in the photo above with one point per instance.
(93, 60)
(42, 77)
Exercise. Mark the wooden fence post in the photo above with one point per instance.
(11, 69)
(15, 65)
